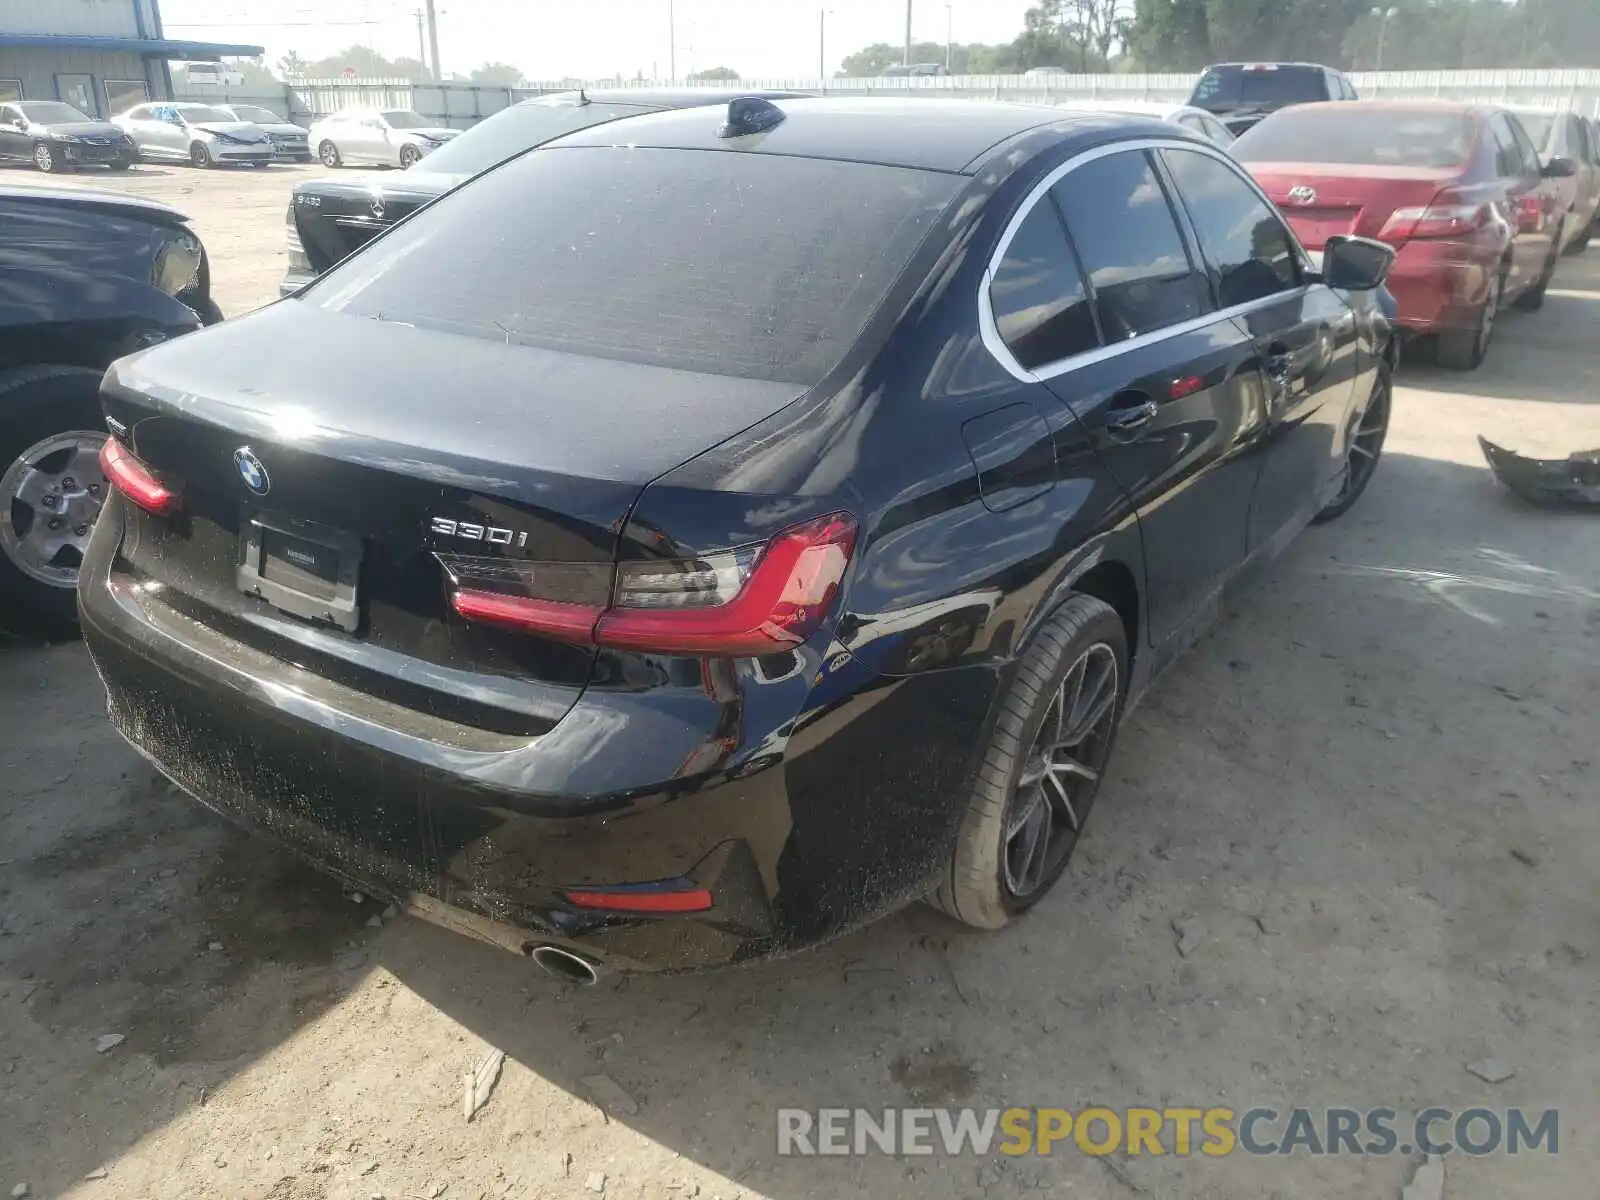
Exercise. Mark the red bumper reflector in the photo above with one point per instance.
(566, 622)
(698, 900)
(135, 480)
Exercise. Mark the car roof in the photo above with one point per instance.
(661, 97)
(1142, 108)
(1464, 108)
(933, 135)
(1266, 62)
(90, 198)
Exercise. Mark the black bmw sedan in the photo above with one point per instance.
(714, 530)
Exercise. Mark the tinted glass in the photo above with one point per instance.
(1228, 86)
(1526, 151)
(750, 265)
(1128, 242)
(401, 119)
(1041, 307)
(1539, 126)
(518, 128)
(49, 112)
(195, 113)
(1350, 134)
(1243, 237)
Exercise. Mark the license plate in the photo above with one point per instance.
(302, 568)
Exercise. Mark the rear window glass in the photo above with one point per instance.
(1371, 137)
(748, 265)
(520, 127)
(1227, 86)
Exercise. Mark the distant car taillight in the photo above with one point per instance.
(743, 602)
(1447, 216)
(136, 481)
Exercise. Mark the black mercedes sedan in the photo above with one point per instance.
(57, 137)
(709, 532)
(330, 218)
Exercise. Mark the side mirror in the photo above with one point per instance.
(1355, 264)
(1560, 168)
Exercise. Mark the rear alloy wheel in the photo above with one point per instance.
(1366, 446)
(200, 156)
(410, 156)
(1532, 300)
(1465, 349)
(329, 154)
(45, 158)
(51, 492)
(1051, 742)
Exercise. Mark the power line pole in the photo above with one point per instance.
(422, 41)
(908, 33)
(672, 44)
(433, 41)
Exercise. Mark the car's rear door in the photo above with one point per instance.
(1304, 335)
(1173, 398)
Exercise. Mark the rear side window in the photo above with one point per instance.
(1128, 241)
(1243, 237)
(1508, 162)
(1041, 306)
(749, 265)
(1358, 135)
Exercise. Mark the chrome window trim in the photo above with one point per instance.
(989, 331)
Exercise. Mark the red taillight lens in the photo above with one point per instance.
(135, 480)
(644, 900)
(1446, 216)
(743, 603)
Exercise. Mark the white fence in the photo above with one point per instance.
(464, 104)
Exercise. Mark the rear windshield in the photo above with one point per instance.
(749, 265)
(1222, 88)
(1348, 133)
(1539, 127)
(518, 128)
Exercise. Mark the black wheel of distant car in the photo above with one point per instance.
(51, 490)
(1532, 300)
(1042, 767)
(1465, 349)
(1366, 446)
(329, 154)
(410, 156)
(44, 157)
(121, 164)
(200, 156)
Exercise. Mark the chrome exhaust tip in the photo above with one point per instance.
(564, 964)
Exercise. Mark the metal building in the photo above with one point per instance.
(100, 56)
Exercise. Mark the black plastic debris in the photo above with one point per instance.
(1571, 482)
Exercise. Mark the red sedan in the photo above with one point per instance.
(1458, 190)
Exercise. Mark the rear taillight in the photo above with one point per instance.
(646, 898)
(743, 602)
(136, 481)
(1447, 216)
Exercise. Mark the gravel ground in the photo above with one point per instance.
(1349, 845)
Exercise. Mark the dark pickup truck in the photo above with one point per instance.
(1242, 95)
(330, 218)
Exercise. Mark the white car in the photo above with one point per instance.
(213, 74)
(203, 135)
(385, 137)
(288, 139)
(1195, 120)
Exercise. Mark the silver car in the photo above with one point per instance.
(203, 135)
(385, 137)
(288, 139)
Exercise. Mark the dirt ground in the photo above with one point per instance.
(1350, 844)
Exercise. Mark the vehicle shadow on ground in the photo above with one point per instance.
(1304, 840)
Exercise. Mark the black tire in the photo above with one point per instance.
(1366, 445)
(200, 156)
(121, 164)
(1465, 349)
(329, 154)
(44, 158)
(978, 888)
(41, 403)
(410, 156)
(1532, 300)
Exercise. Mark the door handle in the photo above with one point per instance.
(1128, 420)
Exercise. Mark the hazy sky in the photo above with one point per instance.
(547, 39)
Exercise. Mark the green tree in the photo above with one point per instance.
(715, 75)
(498, 73)
(291, 65)
(1170, 35)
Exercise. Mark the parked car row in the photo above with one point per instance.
(712, 529)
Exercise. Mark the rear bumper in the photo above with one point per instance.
(800, 826)
(1440, 285)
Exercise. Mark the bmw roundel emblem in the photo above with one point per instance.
(252, 471)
